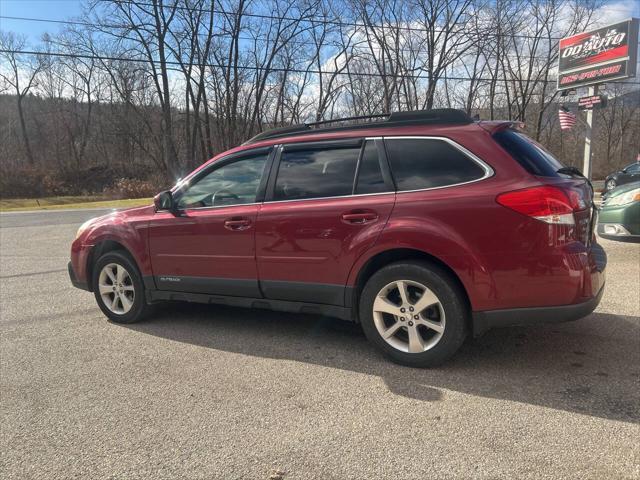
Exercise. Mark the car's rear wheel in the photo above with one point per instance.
(118, 288)
(415, 313)
(611, 184)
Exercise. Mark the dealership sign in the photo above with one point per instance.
(591, 102)
(608, 53)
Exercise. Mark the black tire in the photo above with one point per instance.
(449, 295)
(139, 309)
(610, 185)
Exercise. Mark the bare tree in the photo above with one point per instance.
(445, 24)
(149, 25)
(21, 76)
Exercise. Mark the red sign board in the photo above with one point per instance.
(591, 102)
(608, 53)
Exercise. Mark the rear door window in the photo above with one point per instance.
(420, 163)
(316, 173)
(529, 154)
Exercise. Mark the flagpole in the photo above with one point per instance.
(586, 162)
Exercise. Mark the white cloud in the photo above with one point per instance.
(617, 11)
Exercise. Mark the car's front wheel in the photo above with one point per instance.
(611, 184)
(118, 288)
(415, 313)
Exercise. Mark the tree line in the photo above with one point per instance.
(149, 89)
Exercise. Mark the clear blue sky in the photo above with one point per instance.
(49, 9)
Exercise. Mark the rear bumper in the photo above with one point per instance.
(483, 321)
(74, 279)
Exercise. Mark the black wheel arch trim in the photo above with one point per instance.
(106, 245)
(74, 279)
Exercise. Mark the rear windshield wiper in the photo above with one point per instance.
(570, 171)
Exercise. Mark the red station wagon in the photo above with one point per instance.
(424, 227)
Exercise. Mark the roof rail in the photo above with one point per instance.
(347, 119)
(442, 116)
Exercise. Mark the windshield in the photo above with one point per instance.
(528, 153)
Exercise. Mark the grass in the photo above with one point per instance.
(58, 203)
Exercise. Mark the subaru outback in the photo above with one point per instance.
(425, 227)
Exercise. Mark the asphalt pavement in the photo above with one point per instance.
(208, 392)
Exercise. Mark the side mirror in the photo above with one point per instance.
(164, 201)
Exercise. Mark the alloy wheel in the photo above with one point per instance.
(116, 288)
(409, 316)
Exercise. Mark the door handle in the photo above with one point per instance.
(359, 217)
(237, 223)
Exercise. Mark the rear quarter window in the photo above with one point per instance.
(529, 154)
(420, 163)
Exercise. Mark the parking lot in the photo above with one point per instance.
(213, 392)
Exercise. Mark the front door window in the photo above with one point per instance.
(231, 184)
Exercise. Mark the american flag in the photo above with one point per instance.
(567, 119)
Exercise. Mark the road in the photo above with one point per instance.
(203, 392)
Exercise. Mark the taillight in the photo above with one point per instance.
(545, 203)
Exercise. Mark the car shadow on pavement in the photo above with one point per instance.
(591, 366)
